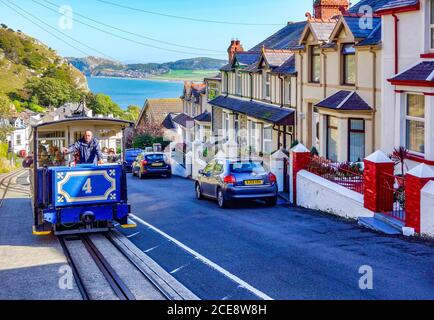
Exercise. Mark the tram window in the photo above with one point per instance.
(50, 153)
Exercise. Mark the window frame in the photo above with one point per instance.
(226, 125)
(267, 127)
(431, 25)
(344, 56)
(350, 130)
(313, 55)
(267, 85)
(238, 83)
(328, 127)
(408, 118)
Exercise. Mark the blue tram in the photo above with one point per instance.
(70, 198)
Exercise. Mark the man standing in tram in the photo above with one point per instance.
(88, 148)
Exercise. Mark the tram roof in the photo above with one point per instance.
(86, 120)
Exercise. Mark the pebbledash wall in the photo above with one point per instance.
(314, 192)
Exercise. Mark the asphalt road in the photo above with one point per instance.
(255, 252)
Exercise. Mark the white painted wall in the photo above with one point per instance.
(427, 210)
(314, 192)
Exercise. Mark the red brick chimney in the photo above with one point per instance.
(327, 9)
(235, 47)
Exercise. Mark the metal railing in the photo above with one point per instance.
(392, 196)
(345, 174)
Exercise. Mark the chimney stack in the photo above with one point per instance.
(327, 9)
(235, 47)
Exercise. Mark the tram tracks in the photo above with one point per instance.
(6, 185)
(113, 279)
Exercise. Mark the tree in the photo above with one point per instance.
(104, 105)
(50, 92)
(6, 106)
(132, 113)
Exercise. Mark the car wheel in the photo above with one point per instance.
(221, 199)
(271, 202)
(169, 175)
(199, 194)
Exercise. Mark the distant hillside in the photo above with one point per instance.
(92, 66)
(23, 57)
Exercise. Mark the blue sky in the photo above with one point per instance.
(187, 33)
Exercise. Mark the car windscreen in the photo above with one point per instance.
(132, 153)
(247, 167)
(155, 157)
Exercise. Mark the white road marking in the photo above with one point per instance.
(151, 249)
(205, 260)
(132, 235)
(180, 268)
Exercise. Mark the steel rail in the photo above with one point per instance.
(143, 272)
(115, 282)
(78, 280)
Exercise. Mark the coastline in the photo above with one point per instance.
(142, 79)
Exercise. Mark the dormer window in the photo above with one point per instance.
(238, 83)
(315, 64)
(349, 64)
(267, 83)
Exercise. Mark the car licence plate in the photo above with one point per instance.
(253, 182)
(157, 164)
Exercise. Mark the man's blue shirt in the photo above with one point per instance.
(90, 153)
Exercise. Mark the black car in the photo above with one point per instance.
(231, 180)
(152, 163)
(130, 157)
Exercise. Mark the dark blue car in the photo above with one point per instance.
(130, 157)
(232, 180)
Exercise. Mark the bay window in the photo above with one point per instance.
(226, 125)
(332, 138)
(267, 139)
(356, 140)
(254, 137)
(349, 64)
(315, 64)
(415, 123)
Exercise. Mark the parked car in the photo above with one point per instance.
(130, 157)
(230, 180)
(152, 163)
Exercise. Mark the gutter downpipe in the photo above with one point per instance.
(299, 105)
(396, 43)
(374, 95)
(251, 86)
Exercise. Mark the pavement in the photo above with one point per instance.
(30, 267)
(252, 251)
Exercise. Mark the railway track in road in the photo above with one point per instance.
(112, 277)
(6, 185)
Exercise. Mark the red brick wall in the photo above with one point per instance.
(326, 9)
(413, 188)
(300, 162)
(374, 186)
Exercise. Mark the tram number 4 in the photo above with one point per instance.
(87, 188)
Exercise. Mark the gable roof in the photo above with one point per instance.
(421, 74)
(204, 117)
(275, 58)
(246, 58)
(158, 109)
(288, 67)
(284, 38)
(345, 100)
(168, 121)
(184, 120)
(321, 30)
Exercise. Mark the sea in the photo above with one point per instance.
(126, 92)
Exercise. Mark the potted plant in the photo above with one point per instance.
(399, 156)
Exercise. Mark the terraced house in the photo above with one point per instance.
(255, 113)
(408, 78)
(339, 84)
